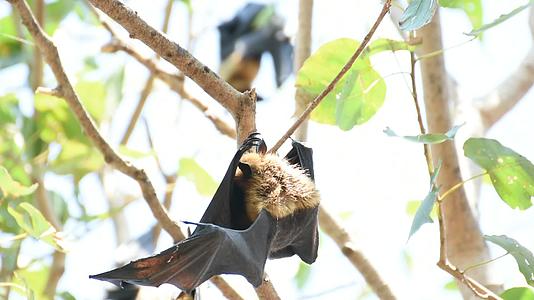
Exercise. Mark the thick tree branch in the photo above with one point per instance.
(210, 82)
(460, 235)
(508, 93)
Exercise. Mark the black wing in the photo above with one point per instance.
(301, 228)
(226, 206)
(211, 250)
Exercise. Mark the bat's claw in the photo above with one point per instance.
(254, 140)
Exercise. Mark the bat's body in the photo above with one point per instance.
(266, 206)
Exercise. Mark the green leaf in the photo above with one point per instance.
(303, 275)
(10, 187)
(8, 109)
(472, 8)
(34, 223)
(422, 216)
(512, 175)
(417, 14)
(523, 256)
(451, 286)
(413, 205)
(135, 154)
(518, 293)
(11, 50)
(191, 170)
(188, 4)
(77, 159)
(381, 45)
(65, 296)
(357, 96)
(500, 19)
(34, 277)
(429, 138)
(93, 95)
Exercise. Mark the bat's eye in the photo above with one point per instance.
(245, 168)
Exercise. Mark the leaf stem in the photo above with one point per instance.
(458, 185)
(485, 262)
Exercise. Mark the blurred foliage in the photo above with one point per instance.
(472, 8)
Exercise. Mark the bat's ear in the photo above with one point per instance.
(245, 168)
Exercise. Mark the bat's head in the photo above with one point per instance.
(269, 182)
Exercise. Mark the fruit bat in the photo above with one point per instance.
(265, 206)
(254, 30)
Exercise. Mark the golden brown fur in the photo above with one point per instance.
(276, 186)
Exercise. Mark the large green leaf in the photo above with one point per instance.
(356, 97)
(12, 188)
(512, 175)
(191, 170)
(429, 138)
(34, 223)
(500, 19)
(417, 14)
(523, 256)
(518, 293)
(472, 8)
(422, 216)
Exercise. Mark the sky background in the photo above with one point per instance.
(365, 177)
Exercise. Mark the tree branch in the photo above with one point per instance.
(334, 81)
(508, 93)
(149, 84)
(175, 83)
(460, 237)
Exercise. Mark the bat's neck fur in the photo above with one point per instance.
(275, 186)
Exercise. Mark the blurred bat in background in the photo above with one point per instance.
(254, 30)
(265, 206)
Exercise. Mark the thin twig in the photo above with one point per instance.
(336, 79)
(212, 84)
(149, 84)
(175, 83)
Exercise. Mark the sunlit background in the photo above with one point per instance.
(366, 178)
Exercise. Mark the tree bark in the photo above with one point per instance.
(464, 241)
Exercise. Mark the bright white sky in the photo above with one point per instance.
(365, 177)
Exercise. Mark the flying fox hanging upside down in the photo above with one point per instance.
(265, 206)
